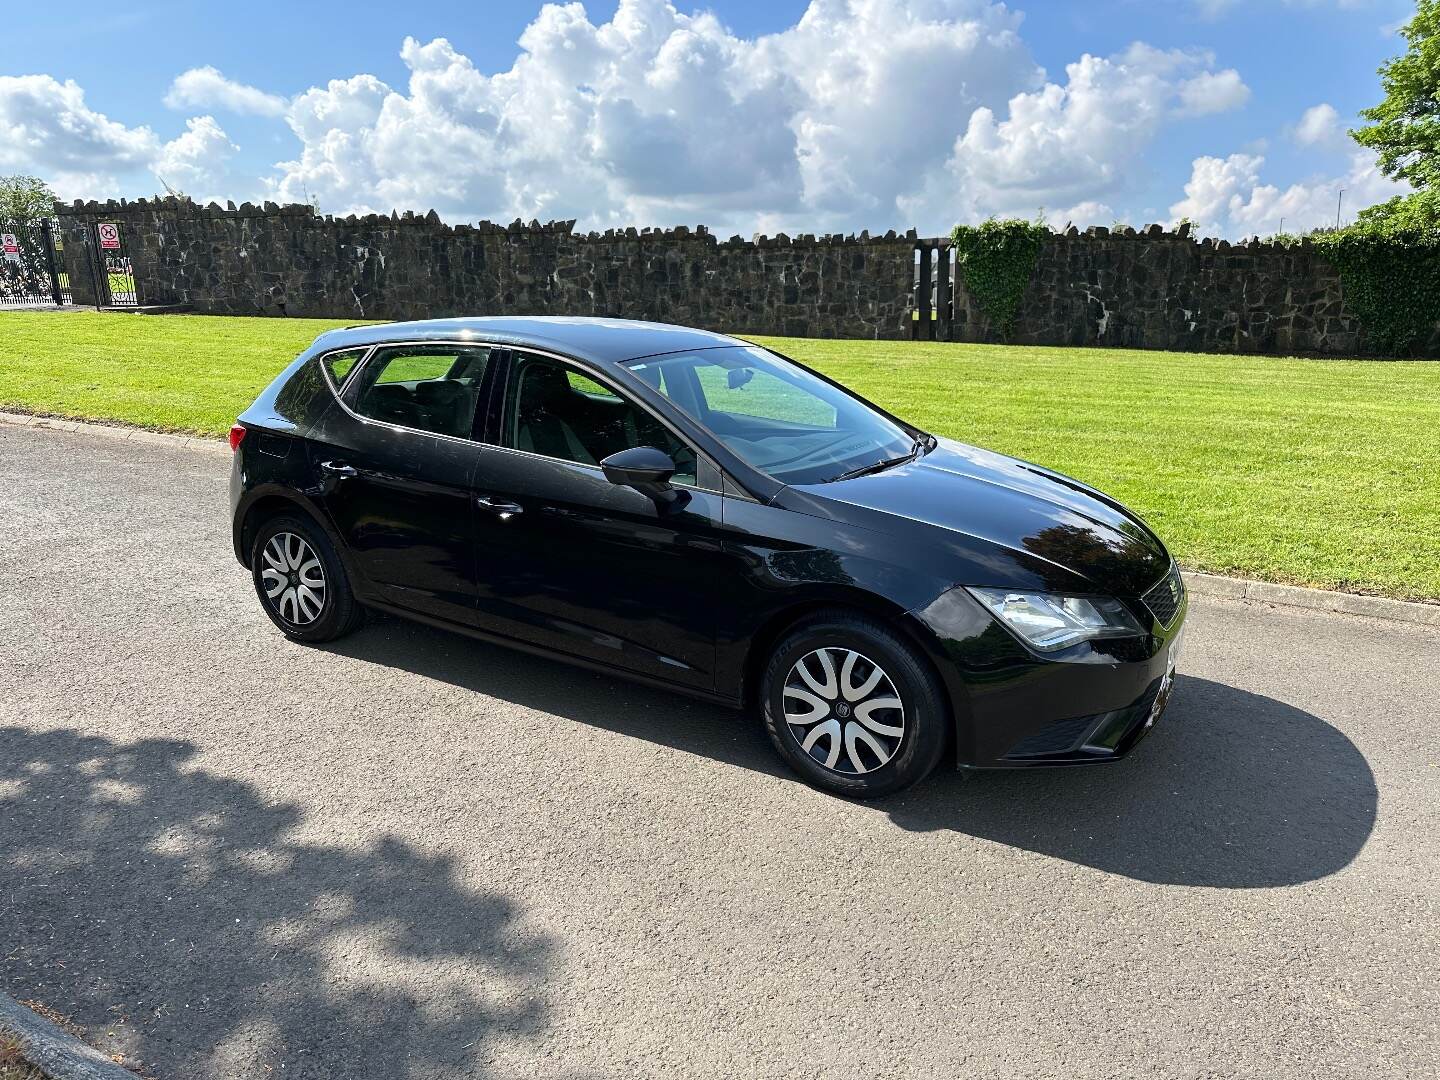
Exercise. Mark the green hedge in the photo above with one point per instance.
(1389, 263)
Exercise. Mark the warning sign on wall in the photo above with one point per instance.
(10, 245)
(109, 235)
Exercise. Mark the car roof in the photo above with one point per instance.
(598, 340)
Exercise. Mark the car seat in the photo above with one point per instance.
(544, 410)
(445, 407)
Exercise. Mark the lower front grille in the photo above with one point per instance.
(1085, 736)
(1053, 739)
(1164, 598)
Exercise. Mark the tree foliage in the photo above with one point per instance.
(1404, 129)
(25, 198)
(996, 260)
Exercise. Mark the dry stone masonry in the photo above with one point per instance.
(1150, 289)
(1162, 290)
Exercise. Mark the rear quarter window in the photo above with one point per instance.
(340, 364)
(304, 397)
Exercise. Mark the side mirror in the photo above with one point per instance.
(644, 468)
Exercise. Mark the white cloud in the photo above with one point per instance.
(207, 88)
(1213, 183)
(197, 161)
(1213, 92)
(865, 113)
(1080, 215)
(54, 134)
(1226, 197)
(1069, 145)
(51, 132)
(1318, 125)
(657, 116)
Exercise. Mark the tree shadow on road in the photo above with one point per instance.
(1233, 790)
(176, 909)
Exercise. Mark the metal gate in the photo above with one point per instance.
(110, 258)
(932, 315)
(31, 271)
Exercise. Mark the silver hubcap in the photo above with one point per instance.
(843, 710)
(293, 578)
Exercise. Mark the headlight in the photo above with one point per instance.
(1049, 621)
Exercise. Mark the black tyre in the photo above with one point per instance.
(854, 707)
(301, 582)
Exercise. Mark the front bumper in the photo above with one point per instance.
(1013, 709)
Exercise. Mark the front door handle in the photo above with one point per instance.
(339, 468)
(502, 509)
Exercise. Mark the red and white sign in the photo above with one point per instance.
(109, 235)
(10, 246)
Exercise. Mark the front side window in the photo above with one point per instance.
(556, 410)
(426, 387)
(775, 415)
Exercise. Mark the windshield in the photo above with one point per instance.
(775, 415)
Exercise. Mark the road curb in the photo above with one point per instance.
(54, 1051)
(1201, 584)
(1265, 592)
(114, 431)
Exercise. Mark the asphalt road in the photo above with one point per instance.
(411, 855)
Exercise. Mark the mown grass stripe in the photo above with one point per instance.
(1304, 471)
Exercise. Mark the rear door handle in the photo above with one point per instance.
(339, 468)
(503, 509)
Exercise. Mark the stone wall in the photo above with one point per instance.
(288, 260)
(1147, 289)
(1163, 290)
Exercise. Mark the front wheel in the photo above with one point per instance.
(853, 707)
(301, 582)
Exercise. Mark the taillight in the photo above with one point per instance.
(237, 436)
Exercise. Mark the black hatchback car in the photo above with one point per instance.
(701, 513)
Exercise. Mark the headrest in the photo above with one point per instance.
(436, 393)
(544, 386)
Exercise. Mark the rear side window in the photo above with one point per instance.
(431, 388)
(340, 364)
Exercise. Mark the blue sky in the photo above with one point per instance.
(836, 115)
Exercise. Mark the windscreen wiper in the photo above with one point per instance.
(881, 465)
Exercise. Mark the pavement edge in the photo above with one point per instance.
(1201, 584)
(1342, 603)
(115, 431)
(54, 1051)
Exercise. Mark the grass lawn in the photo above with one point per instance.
(1314, 472)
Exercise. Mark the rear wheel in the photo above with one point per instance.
(301, 582)
(853, 707)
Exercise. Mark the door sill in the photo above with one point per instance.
(492, 638)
